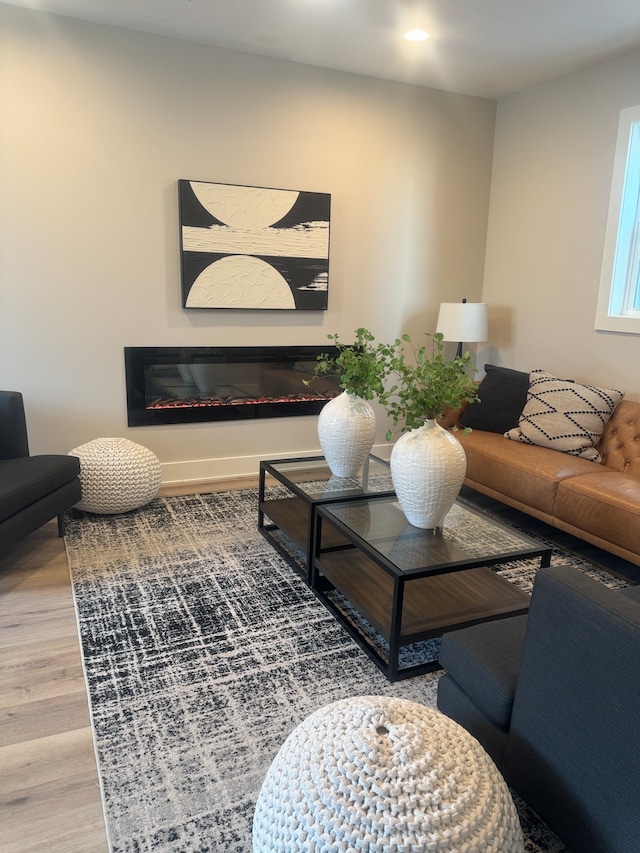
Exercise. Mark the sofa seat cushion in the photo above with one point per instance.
(607, 505)
(525, 473)
(27, 479)
(484, 660)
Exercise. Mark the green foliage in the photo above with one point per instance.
(361, 368)
(426, 383)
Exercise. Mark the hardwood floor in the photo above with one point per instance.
(49, 792)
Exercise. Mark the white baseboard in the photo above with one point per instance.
(206, 470)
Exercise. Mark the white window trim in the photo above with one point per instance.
(612, 317)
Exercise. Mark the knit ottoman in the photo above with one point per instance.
(117, 475)
(378, 774)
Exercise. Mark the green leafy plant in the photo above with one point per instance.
(426, 382)
(360, 367)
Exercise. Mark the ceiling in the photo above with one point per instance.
(489, 48)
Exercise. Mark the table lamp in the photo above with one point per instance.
(465, 322)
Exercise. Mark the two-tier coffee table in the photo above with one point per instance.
(308, 483)
(387, 580)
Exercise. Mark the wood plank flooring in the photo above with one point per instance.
(49, 793)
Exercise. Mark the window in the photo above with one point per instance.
(619, 296)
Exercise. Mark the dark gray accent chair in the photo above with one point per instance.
(33, 489)
(554, 697)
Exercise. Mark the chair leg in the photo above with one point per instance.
(61, 524)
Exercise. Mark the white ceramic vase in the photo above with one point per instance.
(346, 429)
(428, 466)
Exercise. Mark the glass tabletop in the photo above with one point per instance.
(312, 478)
(468, 535)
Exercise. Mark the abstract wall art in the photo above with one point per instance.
(253, 247)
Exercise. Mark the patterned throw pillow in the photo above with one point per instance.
(564, 415)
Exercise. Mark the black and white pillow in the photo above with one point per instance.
(564, 416)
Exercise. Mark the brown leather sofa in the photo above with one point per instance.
(596, 501)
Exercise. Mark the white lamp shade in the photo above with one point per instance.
(463, 321)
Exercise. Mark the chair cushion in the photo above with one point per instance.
(485, 660)
(24, 481)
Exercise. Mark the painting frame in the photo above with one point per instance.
(253, 248)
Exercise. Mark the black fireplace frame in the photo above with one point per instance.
(139, 360)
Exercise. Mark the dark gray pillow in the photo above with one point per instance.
(502, 395)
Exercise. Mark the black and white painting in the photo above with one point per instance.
(254, 247)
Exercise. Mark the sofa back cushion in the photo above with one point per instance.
(619, 445)
(574, 744)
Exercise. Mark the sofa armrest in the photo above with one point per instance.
(451, 417)
(619, 445)
(485, 661)
(13, 426)
(574, 743)
(482, 664)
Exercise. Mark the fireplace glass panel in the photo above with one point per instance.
(183, 385)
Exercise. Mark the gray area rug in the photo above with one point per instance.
(202, 651)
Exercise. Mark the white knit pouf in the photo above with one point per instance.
(377, 774)
(117, 475)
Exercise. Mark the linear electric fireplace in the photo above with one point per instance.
(177, 385)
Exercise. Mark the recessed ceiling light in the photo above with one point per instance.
(417, 34)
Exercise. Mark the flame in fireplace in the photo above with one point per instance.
(203, 402)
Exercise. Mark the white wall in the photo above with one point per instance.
(554, 152)
(98, 124)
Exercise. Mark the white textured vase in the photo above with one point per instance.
(346, 429)
(428, 466)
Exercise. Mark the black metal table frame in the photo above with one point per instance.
(321, 587)
(267, 467)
